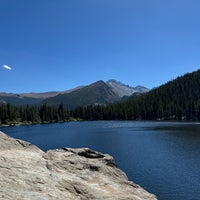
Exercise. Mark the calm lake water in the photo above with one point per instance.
(162, 157)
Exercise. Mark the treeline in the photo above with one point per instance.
(178, 99)
(11, 115)
(143, 108)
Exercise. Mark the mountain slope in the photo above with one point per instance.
(44, 95)
(18, 100)
(125, 90)
(96, 93)
(32, 98)
(178, 99)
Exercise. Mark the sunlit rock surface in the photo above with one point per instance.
(26, 172)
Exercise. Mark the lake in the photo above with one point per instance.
(162, 157)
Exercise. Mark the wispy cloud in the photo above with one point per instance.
(7, 67)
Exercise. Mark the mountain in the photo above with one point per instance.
(17, 99)
(32, 98)
(178, 99)
(44, 95)
(93, 94)
(141, 89)
(125, 90)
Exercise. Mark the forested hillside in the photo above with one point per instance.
(178, 99)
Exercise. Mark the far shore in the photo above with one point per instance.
(35, 123)
(78, 120)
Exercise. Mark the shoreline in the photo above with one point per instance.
(81, 120)
(36, 123)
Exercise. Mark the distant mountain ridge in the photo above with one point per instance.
(17, 99)
(31, 98)
(125, 90)
(44, 95)
(99, 92)
(178, 99)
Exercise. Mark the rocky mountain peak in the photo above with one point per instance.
(125, 90)
(98, 92)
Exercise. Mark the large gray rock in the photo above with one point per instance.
(26, 172)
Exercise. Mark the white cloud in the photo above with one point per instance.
(7, 67)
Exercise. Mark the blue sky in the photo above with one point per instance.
(61, 44)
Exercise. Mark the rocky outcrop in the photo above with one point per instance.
(26, 172)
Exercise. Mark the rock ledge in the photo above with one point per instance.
(26, 172)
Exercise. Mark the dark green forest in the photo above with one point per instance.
(11, 115)
(178, 99)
